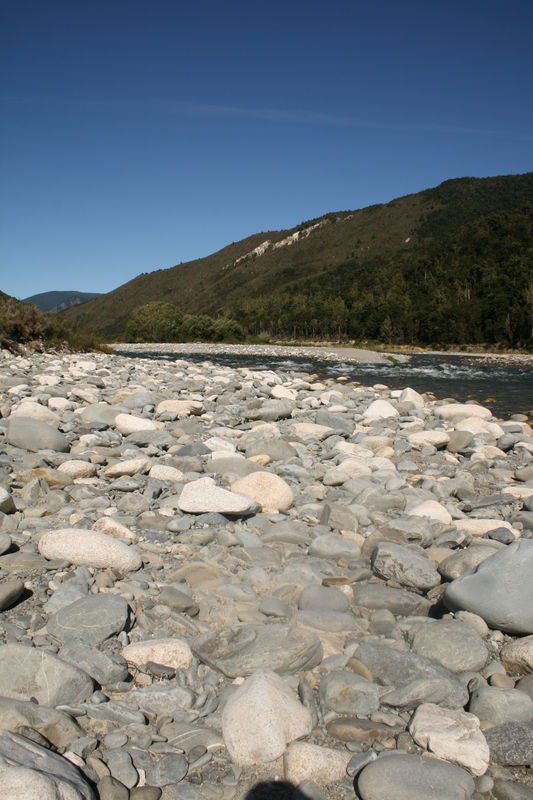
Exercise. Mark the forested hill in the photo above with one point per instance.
(446, 265)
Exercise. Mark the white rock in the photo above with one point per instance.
(173, 652)
(479, 527)
(454, 411)
(323, 765)
(380, 409)
(452, 735)
(283, 393)
(269, 490)
(435, 438)
(260, 719)
(128, 423)
(411, 396)
(218, 443)
(486, 452)
(479, 425)
(203, 495)
(76, 468)
(431, 509)
(28, 408)
(310, 430)
(179, 408)
(89, 548)
(22, 783)
(517, 655)
(130, 466)
(163, 472)
(114, 528)
(520, 492)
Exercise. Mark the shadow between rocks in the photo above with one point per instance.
(275, 790)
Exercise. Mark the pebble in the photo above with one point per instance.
(210, 572)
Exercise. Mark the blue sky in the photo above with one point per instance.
(135, 135)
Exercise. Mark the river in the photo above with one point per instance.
(503, 385)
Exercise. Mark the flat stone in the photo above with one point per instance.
(89, 548)
(130, 466)
(242, 651)
(455, 645)
(500, 590)
(400, 668)
(168, 770)
(77, 468)
(27, 672)
(174, 652)
(93, 619)
(160, 698)
(345, 692)
(128, 423)
(410, 568)
(7, 504)
(323, 598)
(203, 496)
(399, 601)
(491, 704)
(260, 719)
(352, 729)
(452, 735)
(34, 435)
(412, 777)
(105, 669)
(511, 790)
(456, 411)
(57, 727)
(432, 510)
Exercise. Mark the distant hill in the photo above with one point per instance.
(59, 301)
(448, 264)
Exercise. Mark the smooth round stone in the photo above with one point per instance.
(511, 744)
(270, 491)
(455, 645)
(203, 496)
(323, 598)
(89, 548)
(500, 590)
(130, 466)
(174, 653)
(412, 777)
(352, 729)
(76, 468)
(323, 765)
(10, 591)
(408, 567)
(491, 704)
(398, 601)
(437, 439)
(431, 509)
(34, 435)
(93, 619)
(36, 411)
(511, 790)
(168, 770)
(111, 789)
(27, 672)
(333, 545)
(380, 409)
(266, 699)
(128, 423)
(163, 472)
(455, 411)
(333, 621)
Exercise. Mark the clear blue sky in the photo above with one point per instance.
(135, 135)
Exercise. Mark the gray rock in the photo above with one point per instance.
(334, 621)
(7, 504)
(169, 769)
(54, 725)
(121, 766)
(455, 645)
(111, 789)
(92, 619)
(323, 598)
(399, 668)
(34, 435)
(241, 651)
(346, 692)
(491, 704)
(27, 672)
(103, 668)
(45, 775)
(411, 777)
(333, 545)
(399, 601)
(500, 590)
(511, 790)
(10, 591)
(410, 568)
(159, 698)
(270, 411)
(511, 744)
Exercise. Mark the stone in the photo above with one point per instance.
(128, 423)
(309, 431)
(398, 601)
(433, 438)
(517, 655)
(36, 411)
(57, 727)
(105, 669)
(76, 468)
(34, 435)
(89, 548)
(261, 717)
(7, 504)
(323, 765)
(452, 735)
(413, 777)
(380, 409)
(408, 567)
(203, 496)
(27, 672)
(168, 770)
(454, 644)
(511, 790)
(431, 509)
(456, 411)
(237, 651)
(174, 652)
(511, 744)
(166, 473)
(93, 619)
(10, 592)
(31, 772)
(345, 692)
(323, 598)
(111, 789)
(269, 491)
(130, 466)
(491, 704)
(500, 590)
(400, 668)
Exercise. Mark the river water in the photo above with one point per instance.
(502, 385)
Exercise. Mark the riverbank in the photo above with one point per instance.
(212, 575)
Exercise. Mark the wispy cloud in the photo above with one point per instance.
(287, 116)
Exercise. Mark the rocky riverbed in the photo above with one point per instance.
(212, 577)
